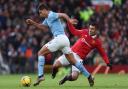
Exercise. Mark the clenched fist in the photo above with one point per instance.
(29, 21)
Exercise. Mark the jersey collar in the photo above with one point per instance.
(94, 36)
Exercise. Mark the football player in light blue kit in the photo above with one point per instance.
(60, 41)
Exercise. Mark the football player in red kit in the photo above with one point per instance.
(87, 41)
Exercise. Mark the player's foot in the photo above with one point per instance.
(38, 81)
(54, 72)
(63, 80)
(91, 80)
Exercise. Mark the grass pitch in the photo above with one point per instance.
(111, 81)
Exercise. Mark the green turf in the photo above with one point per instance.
(111, 81)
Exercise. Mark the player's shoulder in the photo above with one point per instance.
(51, 14)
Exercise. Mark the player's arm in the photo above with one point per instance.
(74, 31)
(64, 16)
(67, 18)
(38, 25)
(70, 21)
(103, 54)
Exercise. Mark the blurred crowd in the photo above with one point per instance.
(19, 42)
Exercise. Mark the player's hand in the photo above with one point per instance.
(73, 21)
(110, 66)
(29, 21)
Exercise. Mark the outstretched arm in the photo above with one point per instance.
(64, 16)
(75, 31)
(70, 21)
(39, 26)
(67, 18)
(102, 52)
(104, 56)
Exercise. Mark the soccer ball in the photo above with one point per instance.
(26, 81)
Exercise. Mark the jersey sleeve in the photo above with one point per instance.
(102, 52)
(74, 31)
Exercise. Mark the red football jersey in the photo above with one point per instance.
(86, 43)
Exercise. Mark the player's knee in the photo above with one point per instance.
(43, 51)
(56, 64)
(67, 50)
(39, 53)
(75, 76)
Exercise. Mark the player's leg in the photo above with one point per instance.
(90, 78)
(74, 72)
(71, 77)
(41, 61)
(60, 62)
(69, 55)
(76, 63)
(55, 68)
(74, 76)
(51, 46)
(57, 64)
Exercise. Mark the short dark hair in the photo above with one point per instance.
(43, 6)
(93, 23)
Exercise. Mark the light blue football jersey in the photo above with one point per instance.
(53, 22)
